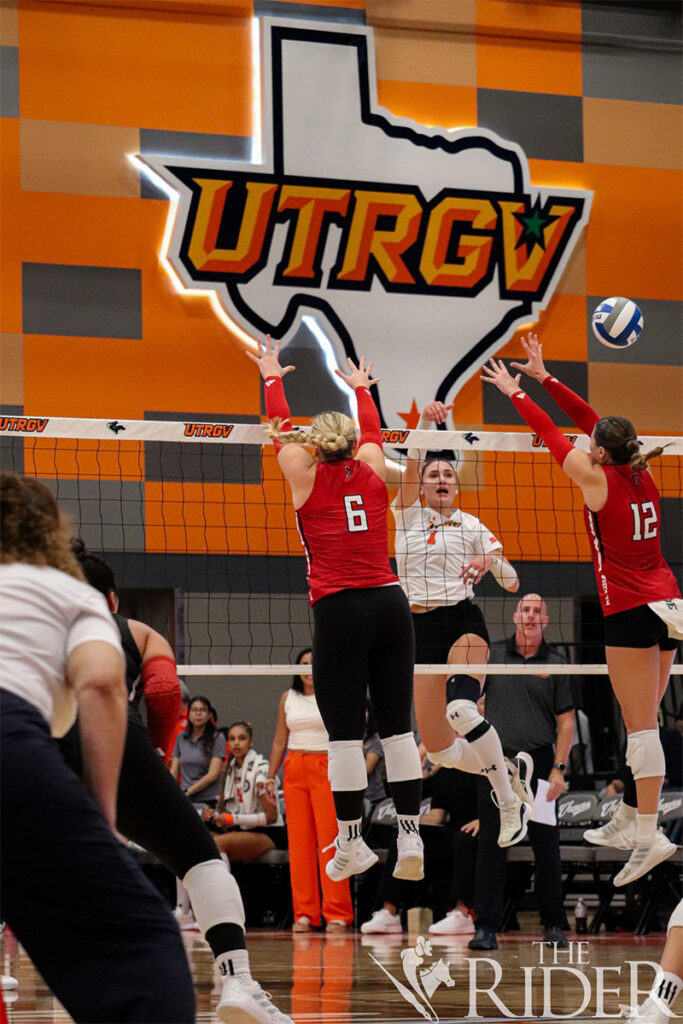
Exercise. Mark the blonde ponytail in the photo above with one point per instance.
(332, 433)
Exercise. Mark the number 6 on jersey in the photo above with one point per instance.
(356, 519)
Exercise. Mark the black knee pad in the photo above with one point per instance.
(463, 688)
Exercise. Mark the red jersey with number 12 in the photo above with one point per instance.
(625, 542)
(343, 528)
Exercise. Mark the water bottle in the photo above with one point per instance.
(580, 917)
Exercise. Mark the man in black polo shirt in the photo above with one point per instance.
(533, 713)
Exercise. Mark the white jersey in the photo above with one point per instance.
(44, 615)
(431, 551)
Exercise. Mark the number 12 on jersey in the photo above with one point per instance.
(644, 520)
(356, 518)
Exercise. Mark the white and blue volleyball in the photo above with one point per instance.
(617, 322)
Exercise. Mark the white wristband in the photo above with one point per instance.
(503, 573)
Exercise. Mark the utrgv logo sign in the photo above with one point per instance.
(422, 246)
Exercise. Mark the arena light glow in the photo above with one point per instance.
(330, 360)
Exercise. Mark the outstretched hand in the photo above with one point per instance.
(268, 359)
(436, 412)
(534, 366)
(497, 373)
(359, 376)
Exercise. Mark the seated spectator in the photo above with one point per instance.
(374, 760)
(245, 808)
(449, 831)
(309, 805)
(198, 755)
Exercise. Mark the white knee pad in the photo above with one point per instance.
(214, 894)
(450, 757)
(644, 754)
(402, 758)
(346, 766)
(465, 718)
(676, 919)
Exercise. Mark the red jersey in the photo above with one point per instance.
(625, 543)
(343, 528)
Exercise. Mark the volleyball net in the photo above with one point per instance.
(197, 523)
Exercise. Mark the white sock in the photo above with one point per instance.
(349, 830)
(458, 755)
(182, 897)
(646, 827)
(408, 825)
(625, 814)
(666, 987)
(489, 753)
(234, 962)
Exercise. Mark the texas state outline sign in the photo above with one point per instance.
(421, 247)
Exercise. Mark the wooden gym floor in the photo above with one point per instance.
(345, 979)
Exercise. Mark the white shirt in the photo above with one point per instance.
(304, 721)
(431, 552)
(44, 615)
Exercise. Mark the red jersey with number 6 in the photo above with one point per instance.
(625, 542)
(343, 528)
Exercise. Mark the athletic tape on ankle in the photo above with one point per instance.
(346, 766)
(644, 754)
(214, 895)
(402, 758)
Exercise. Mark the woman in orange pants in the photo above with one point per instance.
(311, 818)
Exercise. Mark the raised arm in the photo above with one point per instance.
(296, 463)
(577, 464)
(370, 448)
(409, 487)
(569, 402)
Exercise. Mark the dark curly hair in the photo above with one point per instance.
(33, 529)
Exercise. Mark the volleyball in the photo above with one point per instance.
(617, 322)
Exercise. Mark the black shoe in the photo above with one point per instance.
(484, 938)
(554, 936)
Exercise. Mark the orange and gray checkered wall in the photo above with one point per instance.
(91, 324)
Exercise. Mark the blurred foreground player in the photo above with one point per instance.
(153, 811)
(93, 925)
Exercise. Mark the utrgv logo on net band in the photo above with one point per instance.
(562, 985)
(426, 247)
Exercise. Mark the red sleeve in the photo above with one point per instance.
(557, 444)
(163, 698)
(276, 405)
(368, 418)
(578, 411)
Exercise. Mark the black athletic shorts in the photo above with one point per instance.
(638, 627)
(436, 631)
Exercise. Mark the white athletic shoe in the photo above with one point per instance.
(645, 856)
(186, 922)
(520, 772)
(243, 1001)
(350, 858)
(454, 923)
(612, 833)
(649, 1013)
(8, 983)
(514, 820)
(410, 862)
(382, 923)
